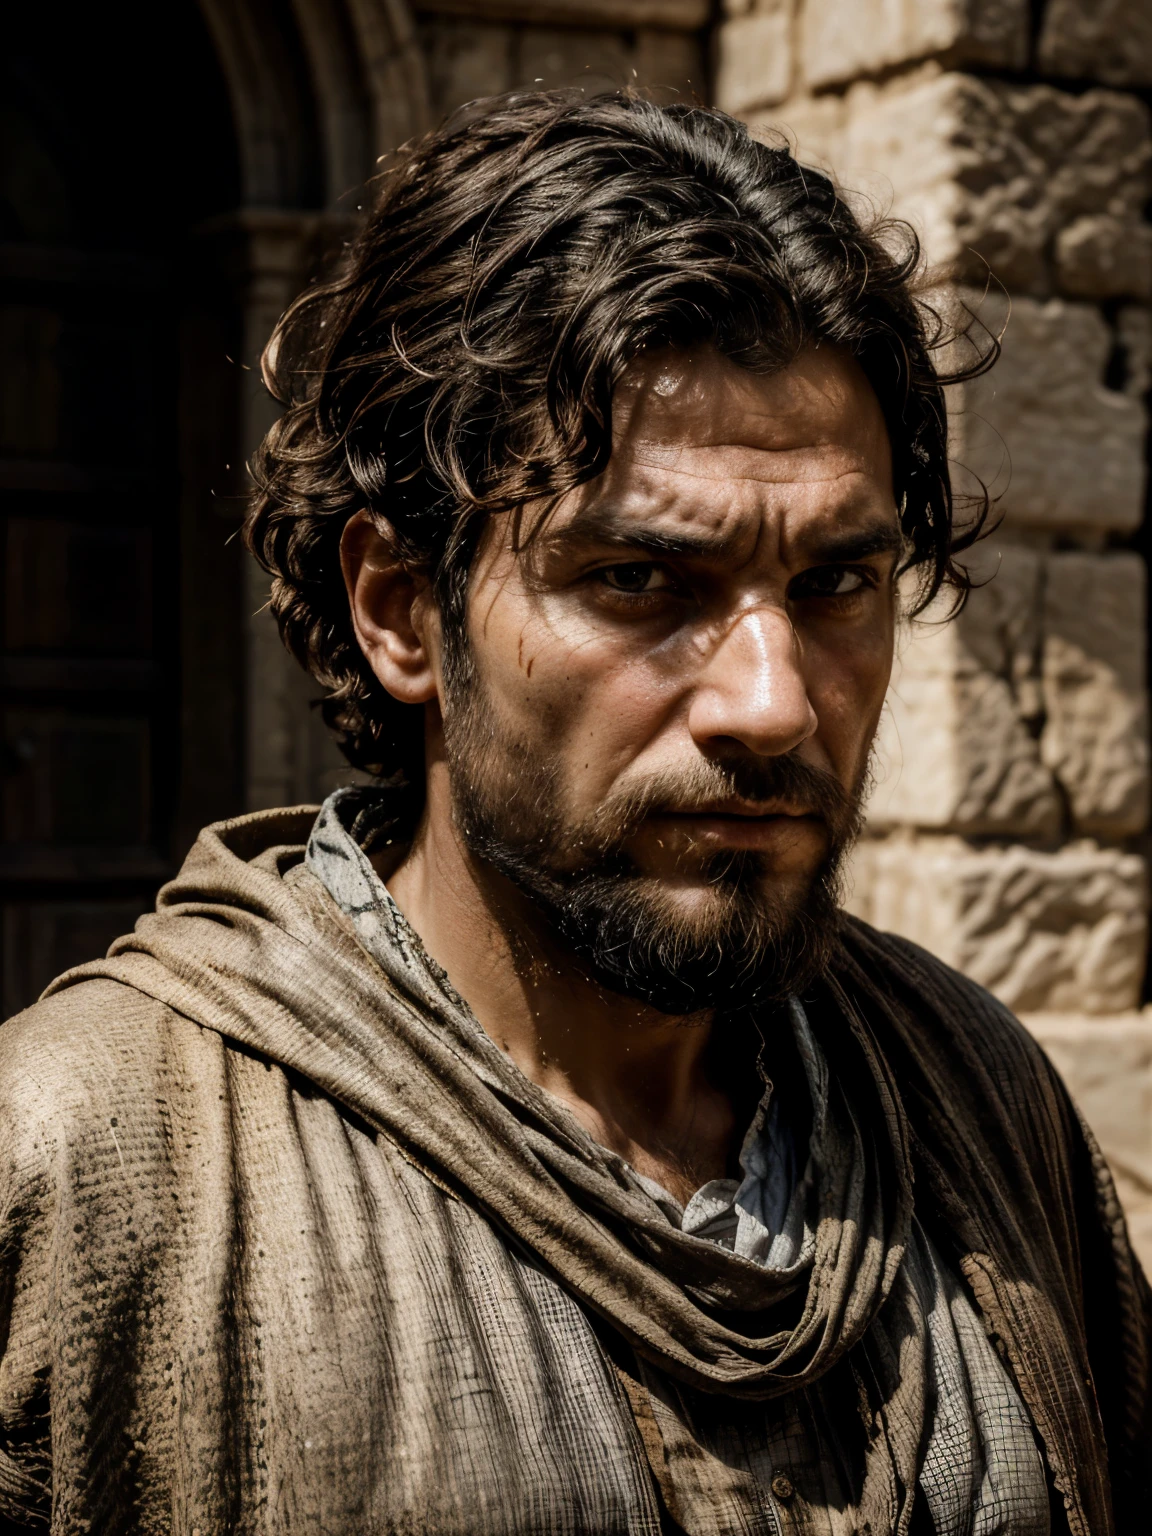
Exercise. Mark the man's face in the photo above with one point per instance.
(661, 723)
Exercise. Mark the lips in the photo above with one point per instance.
(742, 810)
(727, 826)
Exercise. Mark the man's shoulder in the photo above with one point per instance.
(83, 1054)
(982, 1098)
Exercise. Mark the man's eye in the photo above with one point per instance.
(829, 581)
(639, 576)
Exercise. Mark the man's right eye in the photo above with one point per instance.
(640, 577)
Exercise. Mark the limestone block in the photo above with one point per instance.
(1134, 350)
(548, 56)
(1106, 1064)
(957, 747)
(1058, 931)
(843, 39)
(992, 173)
(1031, 700)
(1095, 737)
(1041, 430)
(815, 126)
(1104, 257)
(1109, 40)
(754, 55)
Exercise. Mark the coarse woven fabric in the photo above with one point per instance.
(977, 1466)
(268, 1236)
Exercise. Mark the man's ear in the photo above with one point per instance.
(393, 614)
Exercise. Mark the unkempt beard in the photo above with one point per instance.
(747, 943)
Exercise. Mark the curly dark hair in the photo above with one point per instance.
(463, 359)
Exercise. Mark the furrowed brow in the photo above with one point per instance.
(603, 528)
(836, 546)
(842, 547)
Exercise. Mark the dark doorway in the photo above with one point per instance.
(120, 671)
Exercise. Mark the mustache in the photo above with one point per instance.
(788, 778)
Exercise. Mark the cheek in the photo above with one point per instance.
(847, 680)
(572, 696)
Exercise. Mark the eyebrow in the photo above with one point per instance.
(843, 546)
(605, 529)
(836, 546)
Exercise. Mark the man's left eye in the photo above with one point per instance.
(829, 581)
(637, 576)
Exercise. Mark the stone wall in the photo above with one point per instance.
(1008, 816)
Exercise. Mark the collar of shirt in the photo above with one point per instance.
(765, 1215)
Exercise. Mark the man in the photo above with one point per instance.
(525, 1143)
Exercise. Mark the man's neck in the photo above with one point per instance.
(636, 1079)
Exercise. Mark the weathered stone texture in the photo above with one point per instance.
(1026, 711)
(1107, 1065)
(754, 57)
(957, 747)
(1041, 430)
(1101, 256)
(989, 172)
(1109, 40)
(1134, 349)
(1044, 931)
(843, 39)
(1095, 737)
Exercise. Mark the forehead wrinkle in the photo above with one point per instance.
(852, 484)
(786, 427)
(797, 465)
(669, 500)
(651, 511)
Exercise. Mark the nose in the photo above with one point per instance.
(753, 690)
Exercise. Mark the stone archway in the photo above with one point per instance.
(318, 91)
